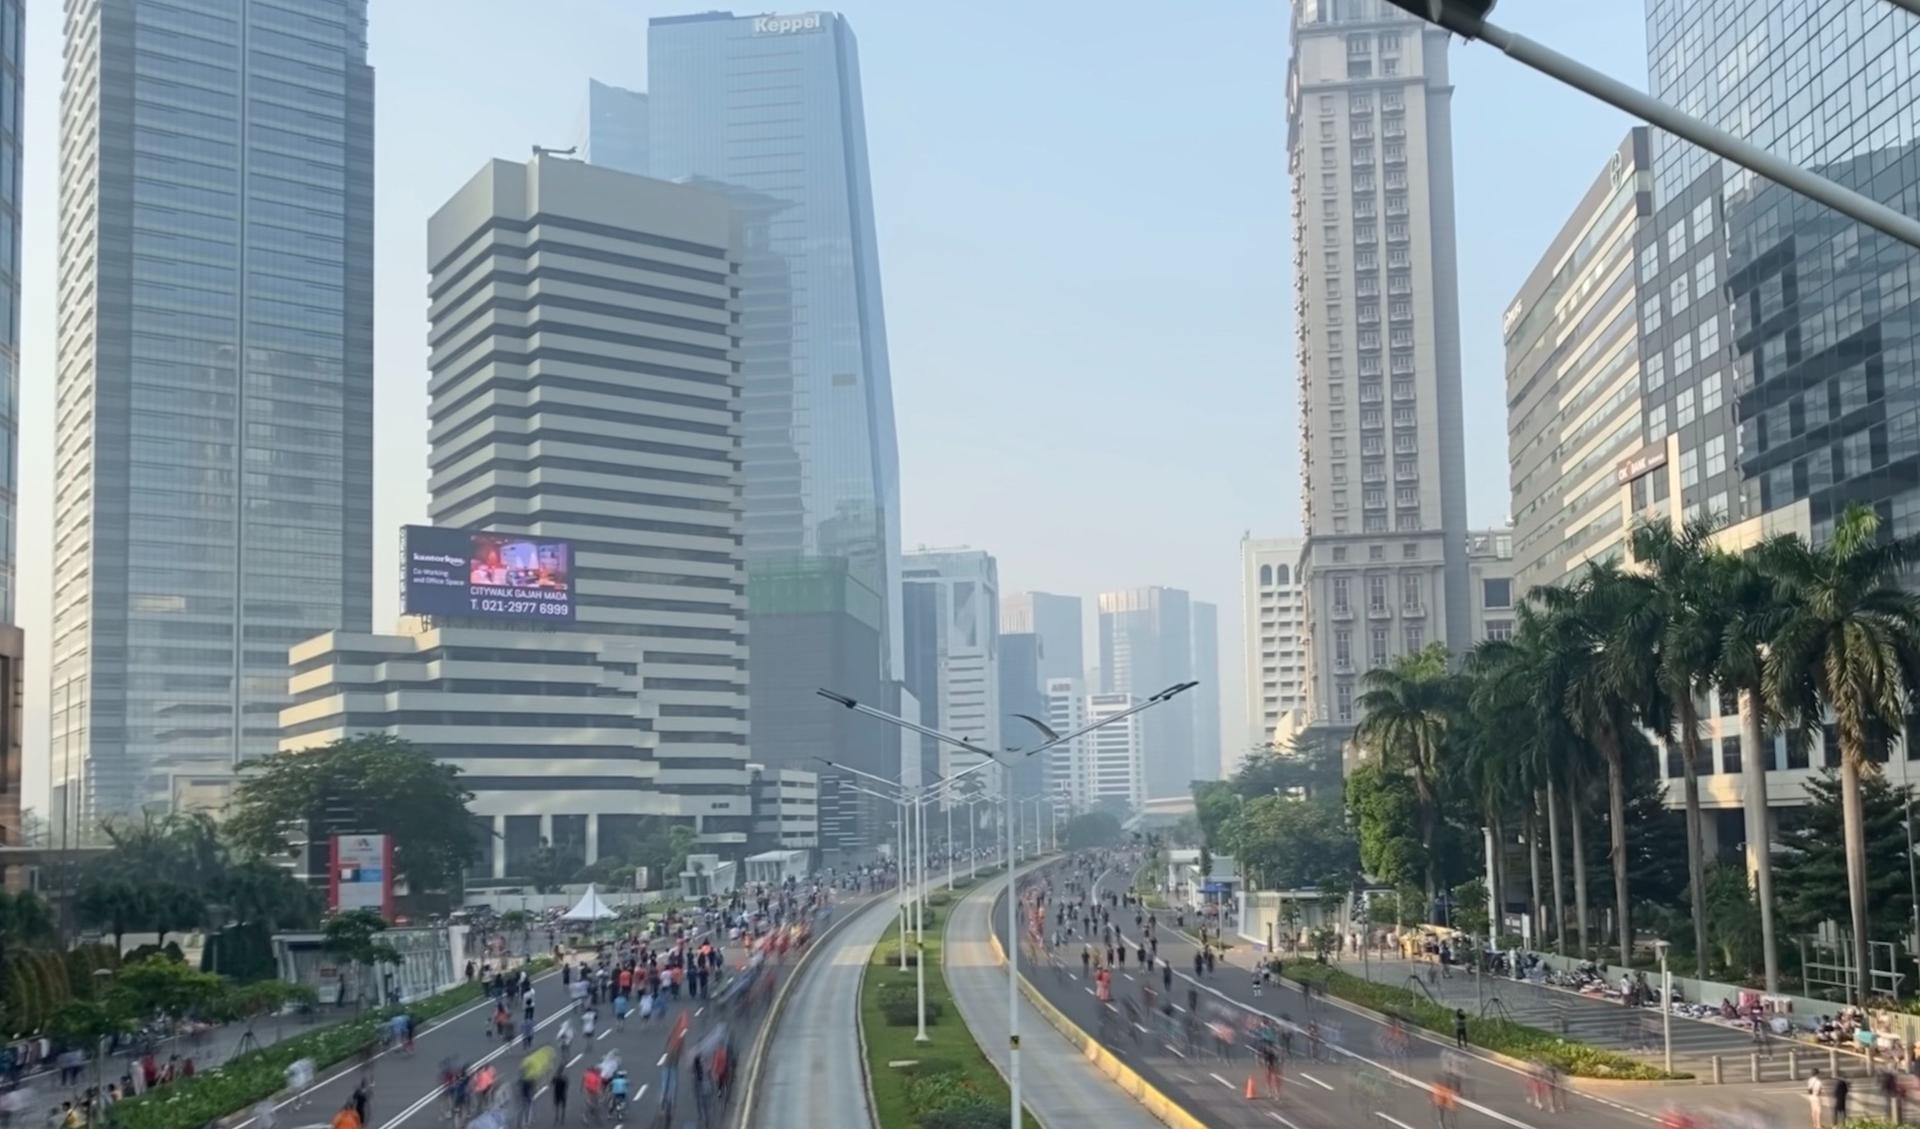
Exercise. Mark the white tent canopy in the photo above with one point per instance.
(589, 908)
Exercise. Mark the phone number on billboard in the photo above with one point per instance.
(517, 607)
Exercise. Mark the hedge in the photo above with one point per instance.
(191, 1103)
(1582, 1060)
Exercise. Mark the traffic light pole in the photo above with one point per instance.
(1466, 18)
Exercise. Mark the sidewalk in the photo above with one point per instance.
(1060, 1087)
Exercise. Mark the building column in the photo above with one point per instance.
(593, 839)
(499, 846)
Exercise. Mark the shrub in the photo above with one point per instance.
(900, 1007)
(935, 1092)
(1582, 1060)
(973, 1115)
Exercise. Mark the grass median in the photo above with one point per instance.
(1581, 1060)
(944, 1083)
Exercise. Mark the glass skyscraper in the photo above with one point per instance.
(215, 381)
(767, 110)
(1810, 317)
(12, 63)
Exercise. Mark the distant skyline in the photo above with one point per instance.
(1085, 248)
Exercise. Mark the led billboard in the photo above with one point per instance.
(459, 572)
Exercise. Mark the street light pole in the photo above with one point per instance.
(1666, 1007)
(1052, 739)
(949, 806)
(1467, 18)
(973, 851)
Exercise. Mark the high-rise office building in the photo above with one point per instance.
(1383, 481)
(1146, 645)
(1491, 590)
(964, 587)
(1207, 753)
(581, 386)
(13, 65)
(1023, 692)
(617, 127)
(1056, 621)
(1574, 436)
(770, 107)
(1116, 756)
(1067, 768)
(214, 399)
(1276, 660)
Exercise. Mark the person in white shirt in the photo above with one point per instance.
(1816, 1097)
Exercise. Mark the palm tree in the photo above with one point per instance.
(1754, 614)
(1850, 646)
(1496, 737)
(1407, 708)
(1667, 647)
(1585, 618)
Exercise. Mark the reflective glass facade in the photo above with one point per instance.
(617, 127)
(12, 30)
(214, 444)
(1823, 324)
(771, 107)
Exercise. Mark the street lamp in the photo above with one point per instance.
(1468, 19)
(1666, 1009)
(1050, 740)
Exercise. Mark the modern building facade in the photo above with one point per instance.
(13, 659)
(617, 128)
(1056, 621)
(964, 587)
(1116, 756)
(786, 809)
(1276, 659)
(1574, 434)
(1370, 146)
(770, 107)
(13, 65)
(582, 387)
(1491, 588)
(1023, 692)
(1207, 752)
(1068, 771)
(213, 482)
(1146, 645)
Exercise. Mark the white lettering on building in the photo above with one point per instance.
(786, 25)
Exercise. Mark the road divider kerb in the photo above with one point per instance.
(1150, 1097)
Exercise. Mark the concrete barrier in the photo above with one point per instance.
(1149, 1096)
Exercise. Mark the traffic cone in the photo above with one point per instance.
(1250, 1095)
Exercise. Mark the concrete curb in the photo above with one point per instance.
(1129, 1081)
(750, 1090)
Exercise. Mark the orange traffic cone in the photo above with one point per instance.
(1250, 1095)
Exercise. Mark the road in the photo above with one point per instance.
(814, 1073)
(406, 1088)
(1355, 1083)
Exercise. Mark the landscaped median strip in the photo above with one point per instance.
(191, 1103)
(936, 1083)
(1501, 1036)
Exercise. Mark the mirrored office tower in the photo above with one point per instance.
(770, 107)
(213, 481)
(12, 64)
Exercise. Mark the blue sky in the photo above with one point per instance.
(1084, 239)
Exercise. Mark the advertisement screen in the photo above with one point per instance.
(361, 876)
(457, 572)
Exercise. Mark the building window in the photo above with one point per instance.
(1710, 395)
(1682, 354)
(1496, 592)
(1340, 602)
(1649, 262)
(1343, 700)
(1683, 408)
(1730, 755)
(1703, 280)
(1326, 105)
(1409, 552)
(1376, 552)
(1716, 456)
(1410, 593)
(1689, 467)
(1416, 637)
(1654, 368)
(1376, 593)
(1406, 522)
(1679, 296)
(1676, 242)
(1339, 501)
(1709, 339)
(1499, 630)
(1656, 423)
(1374, 523)
(1650, 314)
(1703, 219)
(1339, 445)
(1339, 473)
(1377, 646)
(1342, 650)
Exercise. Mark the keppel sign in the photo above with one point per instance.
(786, 25)
(361, 874)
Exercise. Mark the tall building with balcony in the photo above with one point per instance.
(1575, 444)
(1383, 490)
(1116, 756)
(1491, 593)
(1276, 661)
(1067, 767)
(213, 428)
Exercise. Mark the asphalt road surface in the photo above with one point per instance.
(407, 1093)
(1353, 1081)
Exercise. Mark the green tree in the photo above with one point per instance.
(353, 936)
(1668, 645)
(1850, 647)
(547, 869)
(1811, 876)
(1386, 817)
(1287, 844)
(1214, 802)
(159, 985)
(1407, 709)
(1093, 830)
(391, 786)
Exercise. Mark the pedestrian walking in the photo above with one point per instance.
(1460, 1028)
(559, 1085)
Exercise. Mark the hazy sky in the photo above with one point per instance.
(1084, 239)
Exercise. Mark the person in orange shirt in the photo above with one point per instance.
(346, 1118)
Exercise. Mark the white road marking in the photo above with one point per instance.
(1220, 1080)
(603, 1034)
(1175, 1050)
(1282, 1120)
(1140, 1029)
(663, 1060)
(1392, 1120)
(574, 1059)
(1316, 1081)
